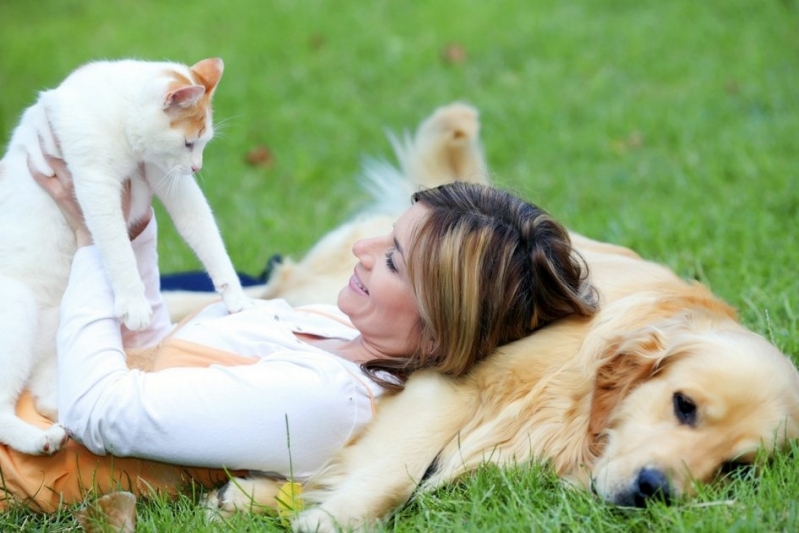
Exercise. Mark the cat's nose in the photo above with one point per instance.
(196, 168)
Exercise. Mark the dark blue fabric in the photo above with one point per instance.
(200, 282)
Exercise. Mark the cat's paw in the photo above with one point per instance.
(235, 299)
(53, 439)
(135, 313)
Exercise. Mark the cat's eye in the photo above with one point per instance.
(189, 145)
(684, 409)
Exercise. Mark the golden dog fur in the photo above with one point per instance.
(662, 389)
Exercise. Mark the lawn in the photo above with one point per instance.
(670, 127)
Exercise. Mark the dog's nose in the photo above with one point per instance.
(651, 484)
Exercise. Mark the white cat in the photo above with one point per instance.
(112, 122)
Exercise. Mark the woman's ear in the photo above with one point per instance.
(629, 360)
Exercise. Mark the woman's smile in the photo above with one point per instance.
(356, 284)
(379, 298)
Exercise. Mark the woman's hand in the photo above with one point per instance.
(60, 188)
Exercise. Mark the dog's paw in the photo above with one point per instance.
(134, 312)
(313, 521)
(214, 506)
(224, 502)
(113, 512)
(250, 495)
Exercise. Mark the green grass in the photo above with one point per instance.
(670, 127)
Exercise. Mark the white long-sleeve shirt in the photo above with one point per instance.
(287, 413)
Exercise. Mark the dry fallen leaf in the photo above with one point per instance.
(260, 156)
(316, 41)
(633, 142)
(113, 512)
(454, 53)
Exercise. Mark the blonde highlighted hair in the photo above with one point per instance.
(487, 268)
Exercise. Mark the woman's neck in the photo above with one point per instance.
(354, 350)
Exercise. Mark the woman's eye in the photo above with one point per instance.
(684, 409)
(390, 261)
(188, 144)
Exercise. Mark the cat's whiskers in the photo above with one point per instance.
(222, 125)
(225, 122)
(168, 183)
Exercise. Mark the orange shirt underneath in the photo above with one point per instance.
(45, 483)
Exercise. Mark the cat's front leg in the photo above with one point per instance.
(234, 297)
(99, 195)
(195, 222)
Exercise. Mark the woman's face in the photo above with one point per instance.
(379, 299)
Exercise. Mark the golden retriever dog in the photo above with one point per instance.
(662, 389)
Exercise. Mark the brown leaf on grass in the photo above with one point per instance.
(260, 156)
(633, 142)
(113, 512)
(316, 41)
(453, 54)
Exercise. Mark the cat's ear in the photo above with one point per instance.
(208, 73)
(184, 97)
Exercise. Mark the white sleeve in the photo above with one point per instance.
(288, 415)
(146, 252)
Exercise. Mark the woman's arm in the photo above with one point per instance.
(288, 416)
(241, 417)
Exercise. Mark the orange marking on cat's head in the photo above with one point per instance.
(185, 109)
(207, 73)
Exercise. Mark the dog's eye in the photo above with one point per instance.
(684, 409)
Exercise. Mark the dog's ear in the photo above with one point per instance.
(627, 361)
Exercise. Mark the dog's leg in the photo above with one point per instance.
(377, 474)
(20, 318)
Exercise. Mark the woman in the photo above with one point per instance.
(466, 269)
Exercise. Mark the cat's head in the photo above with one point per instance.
(186, 106)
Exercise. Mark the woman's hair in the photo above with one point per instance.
(486, 268)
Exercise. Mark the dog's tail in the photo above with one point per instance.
(445, 148)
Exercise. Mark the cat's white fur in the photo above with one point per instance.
(111, 122)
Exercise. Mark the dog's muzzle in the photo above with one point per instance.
(649, 485)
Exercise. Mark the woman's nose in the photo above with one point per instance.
(365, 251)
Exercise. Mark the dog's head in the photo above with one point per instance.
(676, 404)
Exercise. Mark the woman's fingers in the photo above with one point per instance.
(59, 166)
(51, 184)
